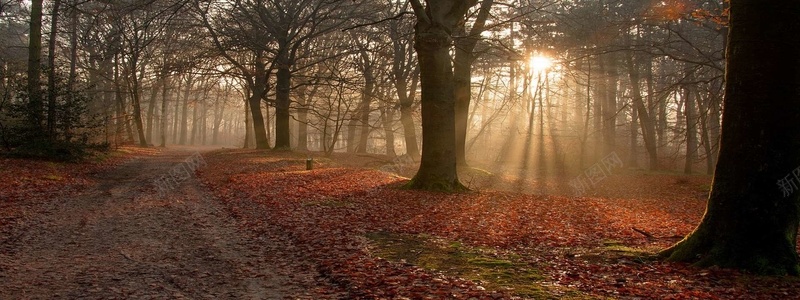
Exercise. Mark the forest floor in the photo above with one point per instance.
(258, 225)
(105, 232)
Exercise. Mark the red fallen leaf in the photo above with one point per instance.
(323, 213)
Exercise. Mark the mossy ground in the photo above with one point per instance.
(492, 270)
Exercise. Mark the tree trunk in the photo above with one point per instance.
(599, 92)
(750, 221)
(351, 133)
(219, 111)
(387, 119)
(704, 139)
(462, 74)
(691, 124)
(282, 89)
(257, 92)
(184, 122)
(403, 71)
(151, 108)
(363, 112)
(432, 42)
(73, 66)
(407, 120)
(248, 129)
(714, 130)
(302, 120)
(164, 98)
(176, 116)
(52, 89)
(195, 121)
(633, 161)
(34, 65)
(646, 122)
(610, 105)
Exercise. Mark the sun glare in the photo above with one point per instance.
(540, 63)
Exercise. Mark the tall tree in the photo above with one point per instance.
(462, 73)
(294, 24)
(433, 39)
(228, 36)
(34, 64)
(750, 222)
(405, 77)
(52, 92)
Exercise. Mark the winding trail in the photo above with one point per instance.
(120, 239)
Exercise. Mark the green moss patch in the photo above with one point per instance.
(614, 251)
(493, 271)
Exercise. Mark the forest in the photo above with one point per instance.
(399, 149)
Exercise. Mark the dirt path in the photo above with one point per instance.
(121, 239)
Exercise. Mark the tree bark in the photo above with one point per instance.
(610, 104)
(645, 120)
(176, 116)
(282, 89)
(432, 42)
(750, 222)
(73, 65)
(364, 110)
(151, 108)
(184, 123)
(164, 98)
(34, 65)
(462, 74)
(691, 123)
(405, 71)
(387, 119)
(52, 89)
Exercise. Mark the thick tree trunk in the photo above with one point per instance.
(750, 221)
(437, 169)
